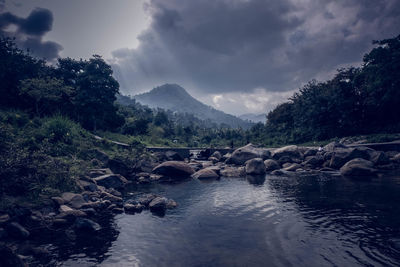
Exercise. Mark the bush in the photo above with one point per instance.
(60, 129)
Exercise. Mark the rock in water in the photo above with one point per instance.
(255, 166)
(111, 181)
(205, 174)
(271, 165)
(358, 167)
(158, 204)
(174, 169)
(243, 154)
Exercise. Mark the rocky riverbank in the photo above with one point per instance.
(101, 190)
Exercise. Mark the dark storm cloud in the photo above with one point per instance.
(220, 46)
(30, 31)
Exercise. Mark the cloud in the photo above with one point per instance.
(234, 46)
(30, 31)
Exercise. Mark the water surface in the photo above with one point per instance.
(276, 221)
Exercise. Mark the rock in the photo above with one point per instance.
(146, 199)
(145, 165)
(217, 155)
(243, 154)
(333, 146)
(93, 173)
(310, 152)
(379, 158)
(133, 208)
(358, 167)
(174, 169)
(116, 181)
(341, 156)
(255, 166)
(111, 197)
(117, 210)
(119, 167)
(293, 167)
(97, 205)
(4, 218)
(64, 208)
(216, 169)
(16, 230)
(196, 165)
(87, 186)
(173, 156)
(71, 215)
(271, 165)
(314, 161)
(233, 172)
(86, 225)
(9, 258)
(100, 155)
(225, 157)
(60, 222)
(213, 159)
(158, 204)
(77, 201)
(291, 152)
(205, 174)
(3, 233)
(58, 201)
(171, 204)
(396, 158)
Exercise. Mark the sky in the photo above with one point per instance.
(240, 56)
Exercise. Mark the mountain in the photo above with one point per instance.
(254, 117)
(175, 98)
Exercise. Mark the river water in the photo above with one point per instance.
(276, 221)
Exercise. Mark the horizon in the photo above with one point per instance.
(236, 56)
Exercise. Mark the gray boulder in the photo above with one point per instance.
(255, 166)
(116, 181)
(358, 167)
(310, 152)
(343, 155)
(292, 167)
(172, 155)
(233, 172)
(205, 174)
(271, 165)
(217, 155)
(158, 204)
(133, 208)
(243, 154)
(292, 152)
(379, 158)
(174, 169)
(86, 225)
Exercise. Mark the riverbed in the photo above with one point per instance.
(267, 221)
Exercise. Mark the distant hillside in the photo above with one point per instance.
(254, 117)
(173, 97)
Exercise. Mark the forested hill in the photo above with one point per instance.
(175, 98)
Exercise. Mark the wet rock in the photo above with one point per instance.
(174, 169)
(233, 172)
(171, 204)
(86, 225)
(158, 204)
(358, 167)
(16, 230)
(133, 208)
(271, 165)
(205, 174)
(9, 258)
(291, 152)
(243, 154)
(146, 199)
(111, 181)
(255, 166)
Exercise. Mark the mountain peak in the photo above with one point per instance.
(176, 98)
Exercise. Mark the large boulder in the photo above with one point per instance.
(205, 174)
(358, 167)
(255, 166)
(243, 154)
(343, 155)
(119, 167)
(291, 152)
(86, 225)
(158, 204)
(174, 169)
(271, 165)
(116, 181)
(217, 155)
(172, 155)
